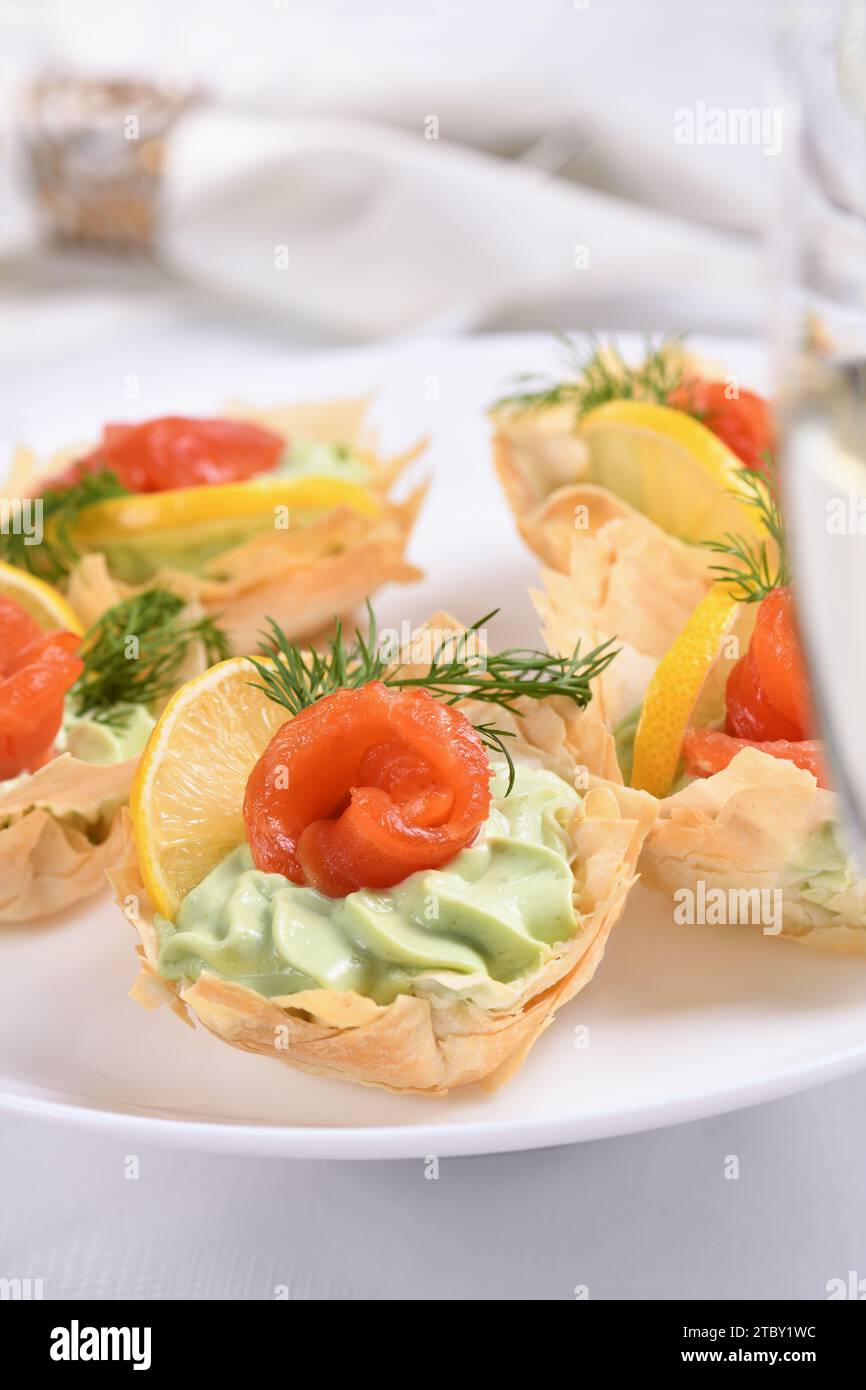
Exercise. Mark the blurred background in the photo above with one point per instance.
(340, 172)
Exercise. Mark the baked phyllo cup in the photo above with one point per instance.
(444, 978)
(759, 841)
(663, 438)
(621, 577)
(59, 822)
(76, 709)
(539, 461)
(60, 830)
(311, 535)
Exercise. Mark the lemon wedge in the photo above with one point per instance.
(187, 797)
(40, 600)
(668, 466)
(182, 508)
(688, 686)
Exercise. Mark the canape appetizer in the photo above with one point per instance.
(666, 437)
(386, 867)
(285, 512)
(76, 710)
(721, 726)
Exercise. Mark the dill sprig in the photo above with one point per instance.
(595, 373)
(760, 565)
(295, 678)
(54, 555)
(133, 654)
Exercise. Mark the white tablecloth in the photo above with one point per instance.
(650, 1216)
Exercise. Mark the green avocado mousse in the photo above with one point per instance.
(121, 734)
(387, 869)
(474, 928)
(312, 458)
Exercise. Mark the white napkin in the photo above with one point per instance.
(362, 231)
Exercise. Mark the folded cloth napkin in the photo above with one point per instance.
(362, 231)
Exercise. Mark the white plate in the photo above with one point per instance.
(682, 1021)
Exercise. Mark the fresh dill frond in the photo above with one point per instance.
(595, 373)
(494, 739)
(295, 678)
(52, 557)
(133, 654)
(759, 565)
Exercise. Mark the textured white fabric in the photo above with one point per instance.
(597, 81)
(651, 1216)
(314, 137)
(366, 231)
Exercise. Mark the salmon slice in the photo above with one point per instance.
(177, 452)
(778, 658)
(750, 713)
(36, 670)
(365, 787)
(709, 750)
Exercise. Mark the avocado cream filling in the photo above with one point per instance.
(623, 738)
(96, 741)
(92, 741)
(475, 928)
(308, 458)
(825, 882)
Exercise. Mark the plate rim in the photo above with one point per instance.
(449, 1140)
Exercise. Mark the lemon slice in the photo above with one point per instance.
(180, 508)
(40, 600)
(688, 686)
(188, 793)
(670, 467)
